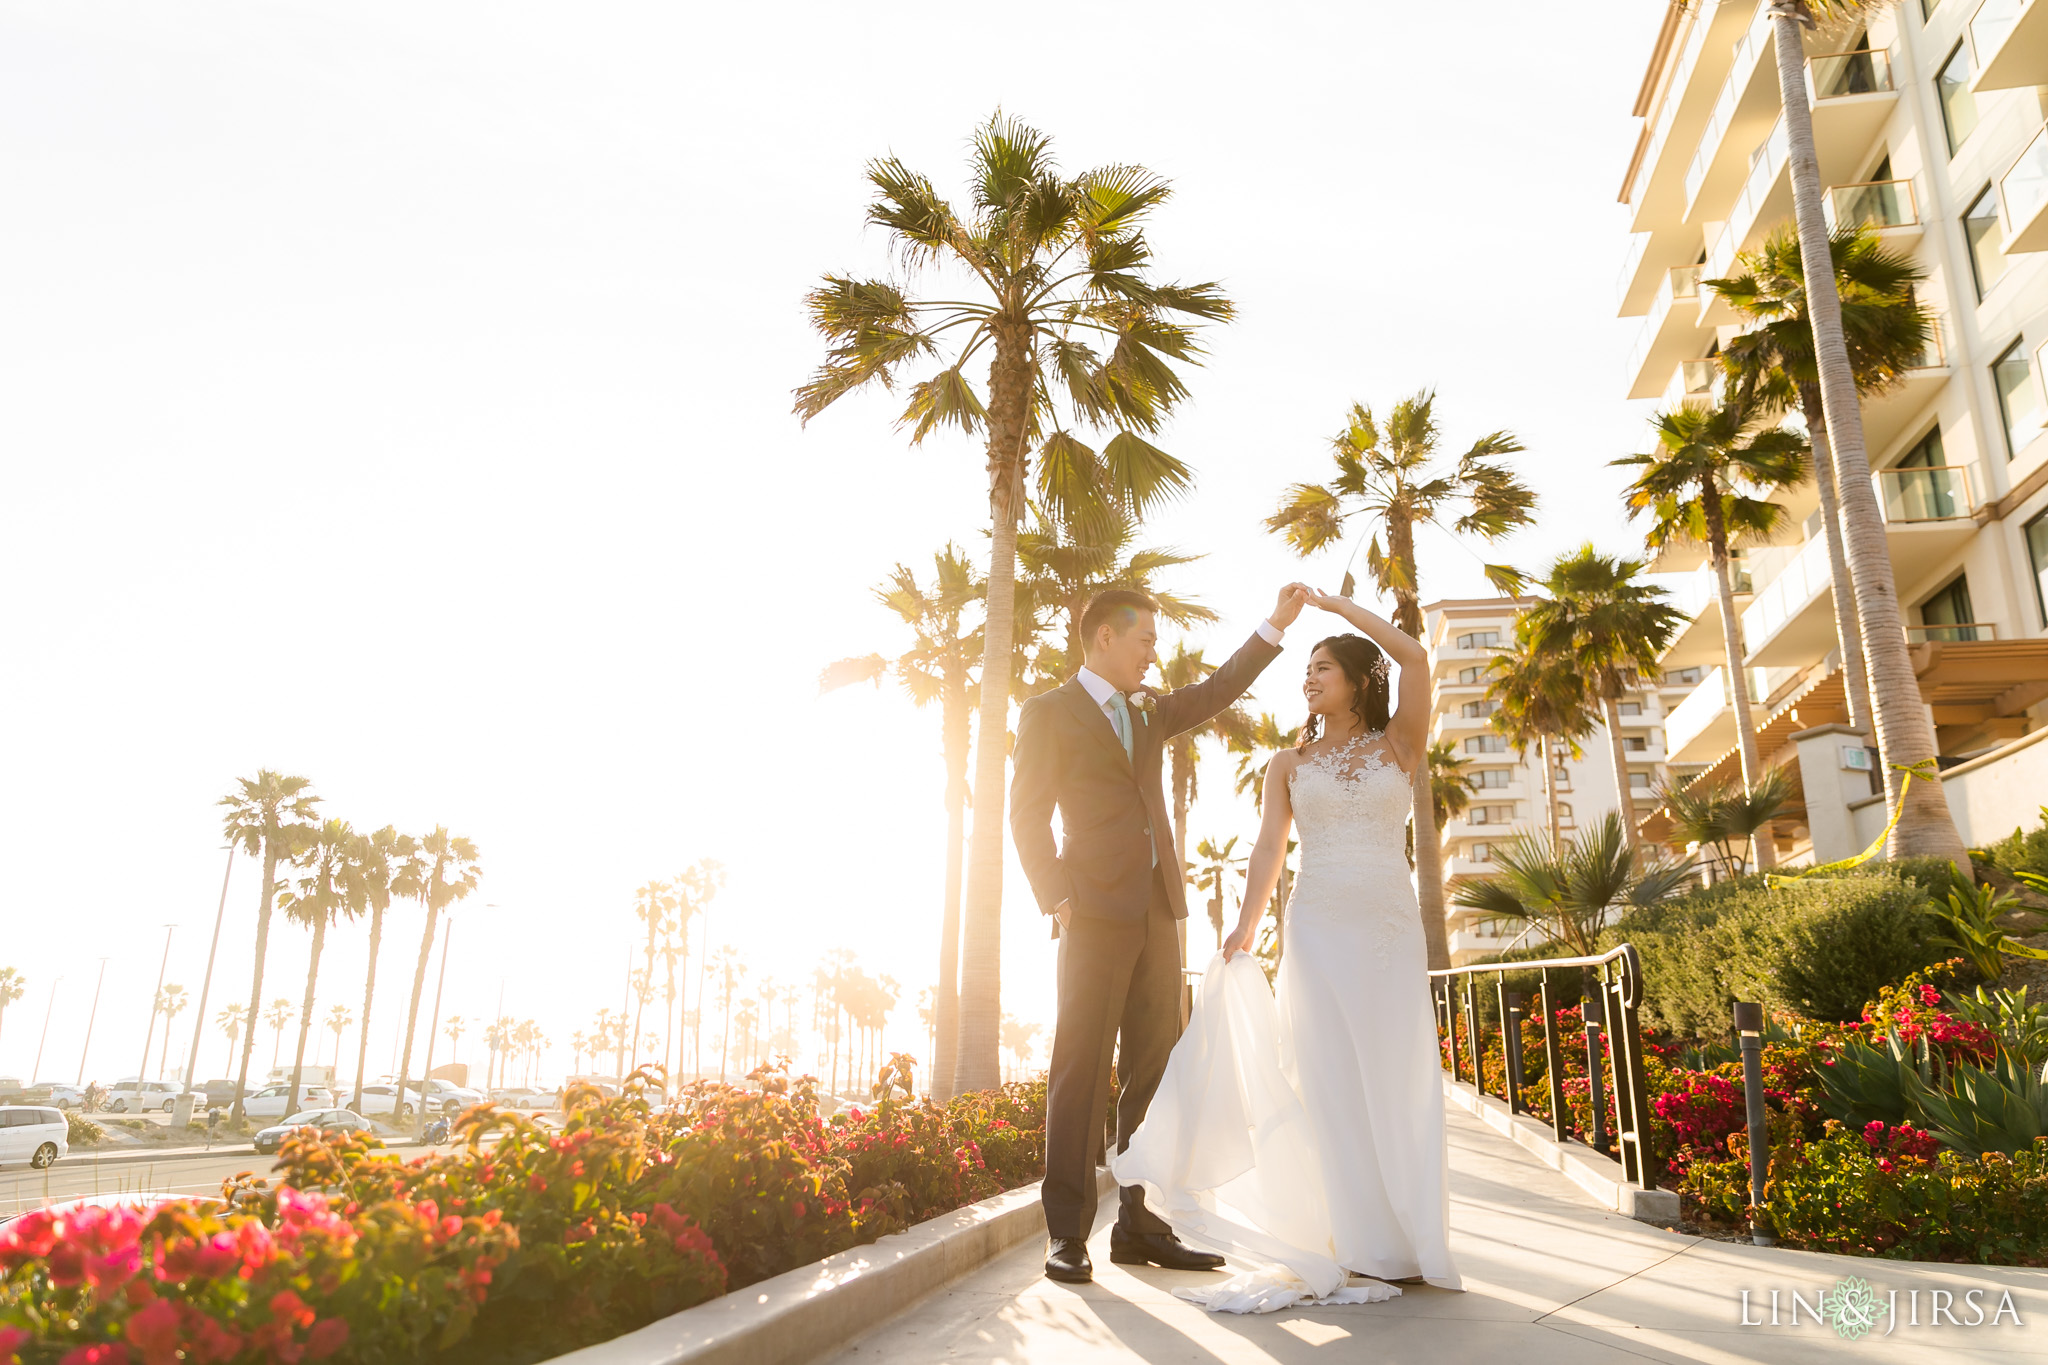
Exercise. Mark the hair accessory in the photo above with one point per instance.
(1382, 667)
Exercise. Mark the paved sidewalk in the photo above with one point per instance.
(1550, 1277)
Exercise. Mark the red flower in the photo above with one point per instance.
(12, 1339)
(154, 1332)
(287, 1307)
(216, 1342)
(328, 1336)
(99, 1353)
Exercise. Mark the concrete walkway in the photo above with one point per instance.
(1549, 1276)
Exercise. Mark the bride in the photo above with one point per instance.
(1299, 1131)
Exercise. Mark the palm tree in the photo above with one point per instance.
(726, 962)
(1887, 332)
(695, 887)
(453, 1031)
(498, 1037)
(652, 905)
(338, 1020)
(1017, 1038)
(1568, 889)
(1392, 478)
(13, 985)
(1217, 873)
(336, 884)
(1053, 261)
(1182, 668)
(278, 1016)
(1539, 699)
(1068, 565)
(1450, 787)
(447, 872)
(1612, 630)
(1693, 486)
(398, 857)
(230, 1021)
(1716, 820)
(170, 1003)
(1254, 746)
(270, 814)
(579, 1043)
(1905, 732)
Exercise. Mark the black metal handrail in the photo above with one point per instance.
(1610, 1008)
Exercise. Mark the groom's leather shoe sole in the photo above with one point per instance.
(1068, 1261)
(1158, 1248)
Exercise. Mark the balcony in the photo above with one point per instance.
(1702, 728)
(1669, 334)
(1885, 205)
(1792, 621)
(1742, 114)
(2010, 38)
(2023, 193)
(1887, 415)
(1951, 633)
(1698, 644)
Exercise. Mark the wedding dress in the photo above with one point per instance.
(1300, 1132)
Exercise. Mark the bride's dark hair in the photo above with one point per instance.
(1366, 667)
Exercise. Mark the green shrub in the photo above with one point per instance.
(2020, 851)
(82, 1131)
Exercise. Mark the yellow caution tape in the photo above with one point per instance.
(1926, 769)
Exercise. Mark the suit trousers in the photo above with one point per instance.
(1118, 979)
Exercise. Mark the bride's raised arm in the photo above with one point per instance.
(1262, 873)
(1408, 729)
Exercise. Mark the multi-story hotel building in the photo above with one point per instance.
(1929, 125)
(1508, 794)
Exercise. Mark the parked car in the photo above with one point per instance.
(448, 1097)
(215, 1095)
(387, 1101)
(33, 1134)
(524, 1097)
(62, 1095)
(270, 1139)
(269, 1102)
(141, 1096)
(133, 1199)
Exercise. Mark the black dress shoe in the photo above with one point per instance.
(1158, 1248)
(1068, 1261)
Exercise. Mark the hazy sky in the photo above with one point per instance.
(398, 394)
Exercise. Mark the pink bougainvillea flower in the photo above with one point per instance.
(12, 1339)
(328, 1336)
(99, 1353)
(154, 1331)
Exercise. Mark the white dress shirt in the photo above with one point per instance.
(1100, 690)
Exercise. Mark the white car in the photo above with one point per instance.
(269, 1102)
(387, 1101)
(33, 1134)
(449, 1098)
(270, 1139)
(141, 1096)
(62, 1095)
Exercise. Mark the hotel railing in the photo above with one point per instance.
(2024, 186)
(1875, 203)
(1610, 986)
(1924, 492)
(1988, 27)
(1867, 71)
(1952, 633)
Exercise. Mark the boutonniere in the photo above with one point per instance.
(1142, 702)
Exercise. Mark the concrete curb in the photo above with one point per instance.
(804, 1313)
(74, 1161)
(1599, 1176)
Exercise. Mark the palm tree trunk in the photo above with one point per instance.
(412, 1016)
(946, 1001)
(1848, 634)
(978, 1063)
(369, 993)
(268, 896)
(1550, 793)
(1624, 803)
(291, 1102)
(1429, 846)
(1732, 654)
(1905, 732)
(640, 996)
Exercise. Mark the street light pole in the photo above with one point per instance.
(205, 989)
(89, 1019)
(154, 1001)
(46, 1030)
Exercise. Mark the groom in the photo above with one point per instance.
(1115, 889)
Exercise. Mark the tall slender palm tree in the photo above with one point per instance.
(939, 666)
(170, 1003)
(448, 871)
(1612, 629)
(1255, 746)
(272, 815)
(398, 859)
(1709, 481)
(452, 1030)
(1183, 668)
(1067, 566)
(1389, 474)
(1539, 699)
(1050, 275)
(13, 985)
(730, 968)
(230, 1021)
(336, 883)
(1905, 733)
(1218, 872)
(1887, 331)
(339, 1017)
(1450, 786)
(278, 1016)
(653, 904)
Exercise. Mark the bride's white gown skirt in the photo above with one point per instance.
(1301, 1134)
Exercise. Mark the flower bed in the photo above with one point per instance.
(1856, 1165)
(525, 1243)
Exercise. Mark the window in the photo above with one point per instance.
(1480, 639)
(1635, 744)
(2019, 402)
(1469, 675)
(1491, 815)
(1487, 744)
(1682, 677)
(1987, 241)
(1638, 782)
(1478, 710)
(1564, 815)
(1482, 853)
(2037, 552)
(1948, 613)
(1630, 708)
(1958, 105)
(1491, 777)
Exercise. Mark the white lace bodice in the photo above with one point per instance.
(1351, 807)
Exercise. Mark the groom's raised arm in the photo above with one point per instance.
(1034, 791)
(1186, 707)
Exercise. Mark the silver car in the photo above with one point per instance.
(33, 1134)
(344, 1120)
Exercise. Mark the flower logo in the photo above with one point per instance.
(1852, 1307)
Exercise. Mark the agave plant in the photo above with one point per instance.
(1883, 1080)
(1722, 818)
(1975, 1110)
(1970, 926)
(2022, 1028)
(1568, 889)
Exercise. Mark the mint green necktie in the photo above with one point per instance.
(1121, 710)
